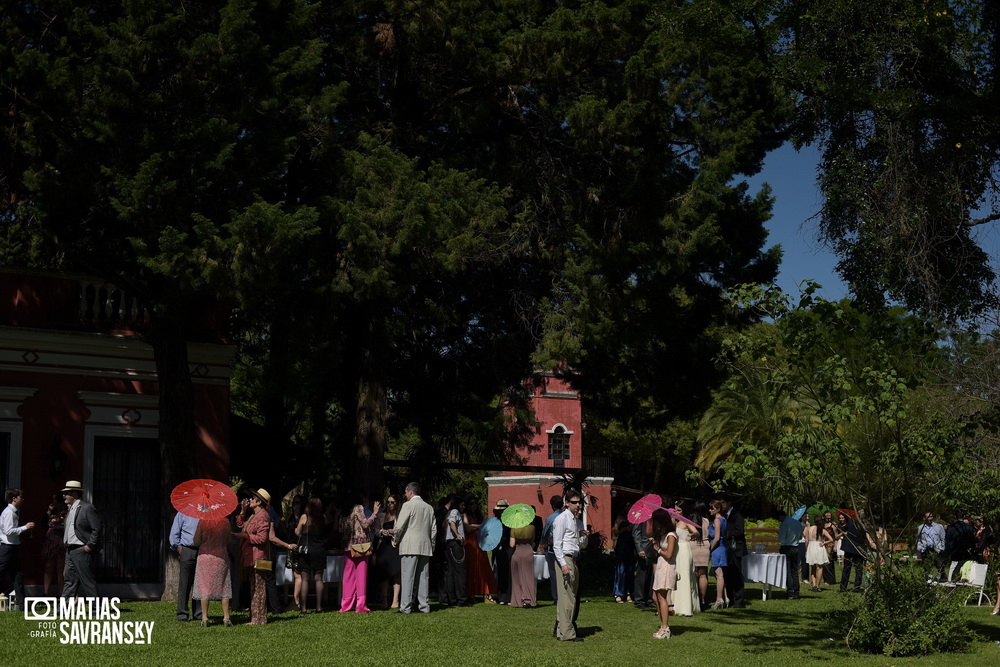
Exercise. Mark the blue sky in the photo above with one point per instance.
(792, 177)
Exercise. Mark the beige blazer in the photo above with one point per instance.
(415, 530)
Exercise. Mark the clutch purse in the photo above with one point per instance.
(263, 565)
(362, 549)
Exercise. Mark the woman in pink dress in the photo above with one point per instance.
(665, 571)
(356, 557)
(211, 574)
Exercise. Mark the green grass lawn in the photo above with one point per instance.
(775, 632)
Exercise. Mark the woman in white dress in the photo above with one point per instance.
(817, 540)
(685, 596)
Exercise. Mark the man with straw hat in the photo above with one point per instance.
(82, 536)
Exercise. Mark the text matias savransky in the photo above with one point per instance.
(85, 621)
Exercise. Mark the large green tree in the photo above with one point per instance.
(868, 427)
(406, 200)
(138, 135)
(901, 98)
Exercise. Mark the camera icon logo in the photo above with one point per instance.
(41, 609)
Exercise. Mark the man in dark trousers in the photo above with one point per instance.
(854, 544)
(82, 537)
(789, 534)
(182, 533)
(11, 577)
(736, 548)
(645, 559)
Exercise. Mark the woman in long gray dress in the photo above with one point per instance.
(522, 567)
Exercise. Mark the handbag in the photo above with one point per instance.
(293, 559)
(363, 549)
(263, 564)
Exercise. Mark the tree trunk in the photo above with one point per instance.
(274, 405)
(177, 431)
(372, 410)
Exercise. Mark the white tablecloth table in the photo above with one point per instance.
(541, 567)
(766, 569)
(333, 573)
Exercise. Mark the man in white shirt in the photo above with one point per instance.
(11, 577)
(566, 547)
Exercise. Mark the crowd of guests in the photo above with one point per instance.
(396, 551)
(665, 567)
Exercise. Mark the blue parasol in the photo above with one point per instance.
(799, 513)
(490, 534)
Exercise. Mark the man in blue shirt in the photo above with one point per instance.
(930, 544)
(182, 541)
(789, 534)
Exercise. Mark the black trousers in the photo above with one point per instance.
(792, 569)
(829, 574)
(454, 573)
(734, 580)
(642, 591)
(857, 562)
(11, 577)
(501, 570)
(185, 580)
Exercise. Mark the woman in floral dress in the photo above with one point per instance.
(211, 574)
(257, 531)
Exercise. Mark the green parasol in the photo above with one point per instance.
(817, 509)
(517, 516)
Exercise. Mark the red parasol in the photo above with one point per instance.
(203, 499)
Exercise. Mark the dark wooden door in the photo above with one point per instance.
(127, 496)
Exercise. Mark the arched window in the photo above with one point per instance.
(559, 445)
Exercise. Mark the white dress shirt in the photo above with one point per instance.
(565, 536)
(10, 532)
(69, 534)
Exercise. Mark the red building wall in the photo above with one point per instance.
(68, 377)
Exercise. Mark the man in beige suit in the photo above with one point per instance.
(414, 535)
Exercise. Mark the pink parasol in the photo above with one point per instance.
(203, 499)
(642, 510)
(680, 517)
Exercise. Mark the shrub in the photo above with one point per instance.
(900, 614)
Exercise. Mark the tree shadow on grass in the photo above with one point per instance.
(988, 632)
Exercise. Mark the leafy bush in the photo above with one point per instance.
(900, 614)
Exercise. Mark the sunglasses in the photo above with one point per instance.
(574, 502)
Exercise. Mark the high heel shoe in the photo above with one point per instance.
(996, 612)
(663, 633)
(228, 623)
(204, 624)
(721, 604)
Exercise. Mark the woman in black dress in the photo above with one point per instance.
(387, 556)
(311, 532)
